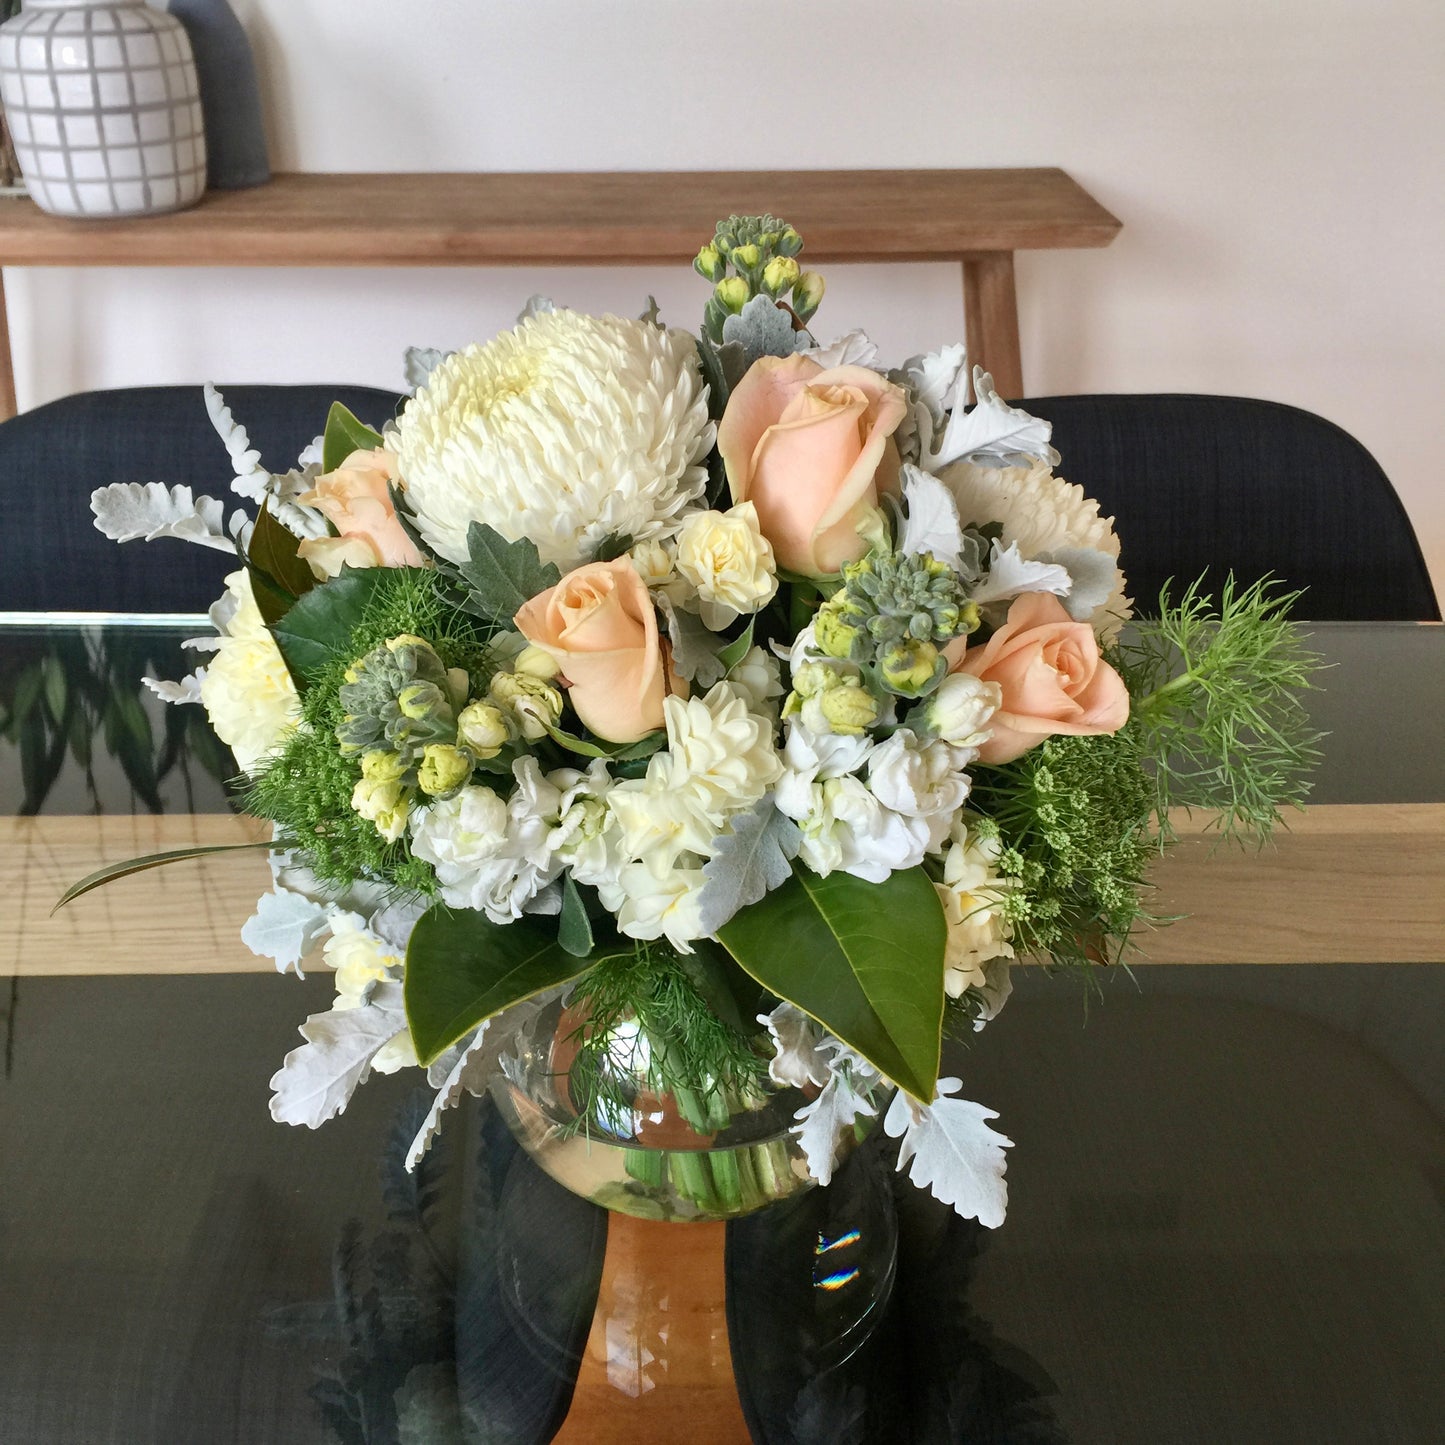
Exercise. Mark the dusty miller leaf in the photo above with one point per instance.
(188, 689)
(125, 511)
(419, 364)
(503, 575)
(798, 1059)
(316, 1081)
(1009, 574)
(285, 927)
(251, 478)
(763, 328)
(954, 1154)
(694, 647)
(854, 349)
(932, 523)
(747, 863)
(822, 1122)
(993, 430)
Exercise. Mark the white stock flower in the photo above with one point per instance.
(757, 678)
(246, 688)
(459, 835)
(845, 828)
(960, 710)
(1040, 513)
(809, 758)
(361, 959)
(920, 780)
(584, 841)
(720, 753)
(972, 894)
(728, 561)
(565, 430)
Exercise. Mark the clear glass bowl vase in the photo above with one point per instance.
(704, 1154)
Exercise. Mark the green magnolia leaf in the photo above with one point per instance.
(320, 625)
(503, 575)
(462, 968)
(574, 928)
(113, 871)
(344, 435)
(273, 552)
(864, 959)
(738, 648)
(616, 752)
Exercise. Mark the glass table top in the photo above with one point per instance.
(1225, 1221)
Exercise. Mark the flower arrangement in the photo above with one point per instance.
(728, 682)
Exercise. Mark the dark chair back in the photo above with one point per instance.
(52, 458)
(1223, 483)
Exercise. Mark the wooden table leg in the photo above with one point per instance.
(7, 368)
(991, 319)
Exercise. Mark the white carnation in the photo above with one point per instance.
(920, 780)
(246, 688)
(1040, 513)
(566, 430)
(729, 563)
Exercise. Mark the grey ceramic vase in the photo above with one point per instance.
(230, 95)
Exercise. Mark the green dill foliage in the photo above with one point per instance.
(1073, 818)
(647, 1023)
(307, 790)
(1217, 713)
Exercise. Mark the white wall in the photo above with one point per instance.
(1276, 163)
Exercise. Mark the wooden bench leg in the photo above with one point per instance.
(991, 319)
(7, 368)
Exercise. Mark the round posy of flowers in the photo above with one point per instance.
(565, 430)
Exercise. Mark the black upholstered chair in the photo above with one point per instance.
(52, 458)
(1225, 483)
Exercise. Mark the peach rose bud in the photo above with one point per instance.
(599, 625)
(1052, 679)
(356, 501)
(812, 450)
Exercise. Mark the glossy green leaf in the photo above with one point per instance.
(502, 575)
(320, 625)
(738, 648)
(344, 435)
(574, 928)
(864, 959)
(113, 871)
(644, 747)
(462, 968)
(273, 552)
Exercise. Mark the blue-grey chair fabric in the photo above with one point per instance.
(52, 458)
(1225, 483)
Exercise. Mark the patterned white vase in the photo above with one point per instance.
(102, 101)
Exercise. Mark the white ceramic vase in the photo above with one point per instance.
(103, 104)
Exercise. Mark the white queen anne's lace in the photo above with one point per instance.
(566, 429)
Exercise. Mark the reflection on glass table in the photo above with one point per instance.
(1225, 1218)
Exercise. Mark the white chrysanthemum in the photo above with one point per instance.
(360, 959)
(567, 429)
(720, 753)
(972, 894)
(246, 688)
(1041, 513)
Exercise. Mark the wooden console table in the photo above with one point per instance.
(978, 218)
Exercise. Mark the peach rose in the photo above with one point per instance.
(1052, 678)
(355, 500)
(811, 450)
(598, 623)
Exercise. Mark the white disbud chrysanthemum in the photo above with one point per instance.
(720, 753)
(729, 562)
(246, 688)
(918, 779)
(565, 430)
(361, 959)
(972, 894)
(1040, 513)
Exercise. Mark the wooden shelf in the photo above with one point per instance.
(976, 217)
(573, 219)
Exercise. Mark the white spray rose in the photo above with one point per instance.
(727, 559)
